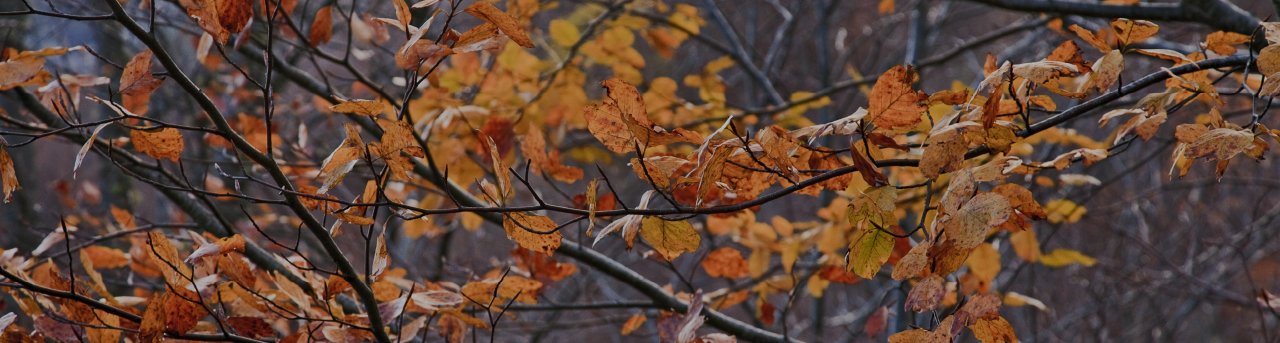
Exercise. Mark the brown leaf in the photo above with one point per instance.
(519, 226)
(892, 102)
(321, 26)
(976, 217)
(8, 175)
(725, 262)
(943, 157)
(252, 327)
(137, 79)
(1219, 144)
(877, 322)
(916, 261)
(508, 24)
(182, 310)
(870, 174)
(995, 330)
(153, 320)
(235, 14)
(165, 143)
(926, 294)
(1105, 72)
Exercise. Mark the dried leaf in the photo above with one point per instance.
(137, 79)
(1130, 31)
(670, 238)
(976, 217)
(536, 233)
(164, 143)
(321, 27)
(508, 24)
(1219, 144)
(165, 256)
(85, 148)
(892, 101)
(8, 175)
(926, 294)
(726, 262)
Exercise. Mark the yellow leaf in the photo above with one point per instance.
(670, 238)
(1063, 257)
(984, 262)
(1026, 245)
(564, 33)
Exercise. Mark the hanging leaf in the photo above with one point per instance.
(670, 238)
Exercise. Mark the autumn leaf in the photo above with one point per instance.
(669, 238)
(633, 323)
(505, 22)
(926, 294)
(993, 331)
(137, 79)
(969, 226)
(252, 327)
(1130, 31)
(154, 319)
(1063, 257)
(1219, 144)
(163, 143)
(536, 233)
(892, 101)
(870, 247)
(1105, 72)
(8, 175)
(165, 255)
(321, 27)
(725, 262)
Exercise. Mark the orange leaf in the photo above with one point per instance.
(892, 102)
(321, 27)
(725, 262)
(519, 226)
(137, 79)
(633, 323)
(107, 258)
(8, 175)
(505, 22)
(153, 320)
(182, 310)
(165, 143)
